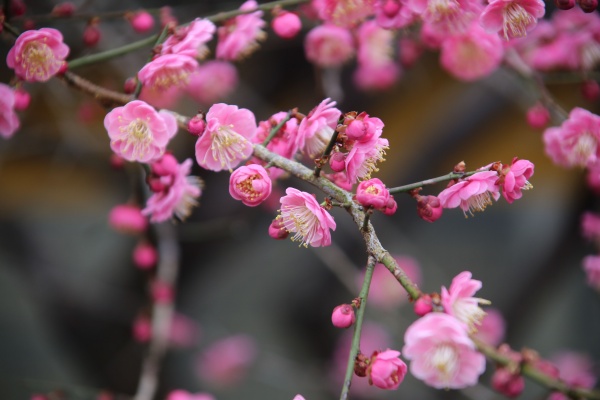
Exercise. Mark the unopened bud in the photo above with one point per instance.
(167, 165)
(390, 207)
(65, 9)
(337, 161)
(588, 6)
(343, 316)
(429, 208)
(144, 255)
(277, 230)
(286, 25)
(507, 383)
(130, 85)
(141, 21)
(423, 305)
(391, 8)
(196, 125)
(22, 99)
(564, 4)
(17, 8)
(538, 116)
(91, 35)
(590, 90)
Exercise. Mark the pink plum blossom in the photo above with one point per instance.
(441, 352)
(226, 362)
(472, 54)
(590, 225)
(363, 158)
(512, 18)
(575, 369)
(492, 327)
(184, 395)
(472, 194)
(343, 316)
(575, 143)
(239, 36)
(459, 302)
(393, 14)
(386, 370)
(167, 71)
(381, 77)
(127, 218)
(372, 193)
(346, 13)
(138, 133)
(591, 266)
(286, 24)
(316, 129)
(9, 121)
(329, 46)
(177, 197)
(141, 21)
(303, 215)
(514, 179)
(191, 39)
(386, 293)
(250, 184)
(22, 98)
(226, 141)
(429, 208)
(277, 230)
(38, 55)
(283, 143)
(212, 81)
(538, 116)
(362, 128)
(446, 17)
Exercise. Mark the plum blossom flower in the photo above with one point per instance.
(178, 195)
(184, 395)
(386, 370)
(473, 194)
(514, 179)
(212, 81)
(446, 17)
(226, 141)
(165, 72)
(362, 159)
(190, 40)
(372, 193)
(138, 133)
(393, 14)
(329, 46)
(459, 302)
(492, 327)
(141, 21)
(512, 18)
(346, 13)
(9, 121)
(286, 24)
(226, 362)
(429, 208)
(316, 129)
(303, 215)
(441, 352)
(239, 36)
(250, 184)
(283, 143)
(38, 55)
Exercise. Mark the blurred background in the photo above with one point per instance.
(69, 292)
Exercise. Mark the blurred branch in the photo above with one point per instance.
(416, 185)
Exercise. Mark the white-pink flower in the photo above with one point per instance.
(473, 194)
(165, 72)
(459, 302)
(441, 352)
(190, 40)
(512, 18)
(329, 46)
(251, 184)
(226, 141)
(9, 121)
(239, 36)
(38, 55)
(316, 129)
(138, 133)
(304, 216)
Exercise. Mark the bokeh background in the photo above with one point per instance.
(69, 291)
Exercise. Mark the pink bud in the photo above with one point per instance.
(343, 316)
(410, 51)
(372, 193)
(17, 8)
(167, 165)
(590, 90)
(390, 207)
(423, 305)
(391, 8)
(130, 85)
(157, 184)
(142, 329)
(91, 35)
(141, 21)
(162, 292)
(166, 17)
(337, 161)
(127, 218)
(116, 162)
(286, 25)
(183, 395)
(510, 385)
(429, 208)
(547, 368)
(356, 130)
(588, 6)
(22, 99)
(564, 4)
(386, 370)
(277, 231)
(65, 9)
(28, 25)
(196, 125)
(538, 116)
(144, 255)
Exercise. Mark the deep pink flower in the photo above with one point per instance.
(459, 302)
(127, 218)
(316, 129)
(363, 158)
(441, 352)
(492, 327)
(372, 193)
(508, 382)
(277, 230)
(226, 141)
(591, 266)
(446, 17)
(303, 215)
(283, 143)
(329, 46)
(239, 36)
(9, 121)
(141, 21)
(386, 370)
(423, 305)
(512, 18)
(226, 362)
(473, 194)
(177, 197)
(337, 161)
(343, 316)
(38, 55)
(138, 133)
(363, 128)
(167, 71)
(472, 54)
(212, 81)
(190, 40)
(393, 14)
(250, 184)
(385, 291)
(514, 179)
(346, 13)
(286, 24)
(429, 208)
(183, 395)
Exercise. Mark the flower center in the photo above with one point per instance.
(170, 77)
(38, 60)
(445, 359)
(516, 20)
(227, 145)
(302, 221)
(478, 202)
(584, 148)
(137, 134)
(468, 311)
(246, 187)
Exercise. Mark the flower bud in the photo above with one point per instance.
(429, 208)
(144, 255)
(130, 85)
(423, 305)
(564, 4)
(196, 125)
(22, 99)
(127, 218)
(337, 161)
(166, 17)
(507, 383)
(64, 9)
(372, 193)
(167, 165)
(590, 90)
(142, 329)
(91, 35)
(343, 316)
(162, 292)
(391, 8)
(588, 6)
(141, 21)
(386, 370)
(17, 8)
(116, 162)
(538, 116)
(286, 25)
(390, 207)
(277, 231)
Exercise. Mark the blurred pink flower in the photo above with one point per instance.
(165, 72)
(251, 184)
(161, 98)
(239, 36)
(286, 24)
(591, 266)
(316, 129)
(141, 21)
(590, 225)
(429, 208)
(507, 382)
(212, 81)
(386, 292)
(9, 121)
(329, 46)
(380, 77)
(472, 194)
(283, 143)
(303, 215)
(386, 370)
(492, 327)
(190, 40)
(144, 255)
(446, 17)
(575, 369)
(138, 133)
(226, 362)
(538, 116)
(512, 18)
(346, 13)
(226, 141)
(127, 218)
(514, 179)
(459, 302)
(441, 353)
(393, 14)
(183, 395)
(38, 55)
